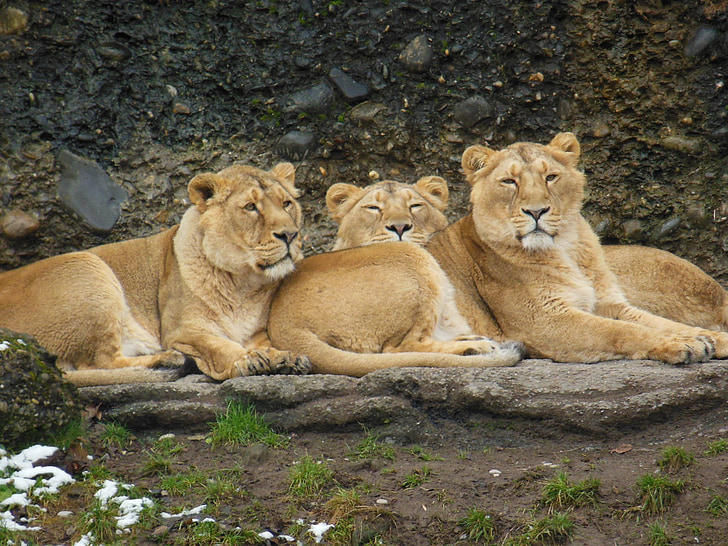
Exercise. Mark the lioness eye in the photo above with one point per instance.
(287, 204)
(509, 182)
(550, 178)
(372, 207)
(415, 206)
(250, 207)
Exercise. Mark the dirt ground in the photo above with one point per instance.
(507, 483)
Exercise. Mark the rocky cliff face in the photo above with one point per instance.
(155, 92)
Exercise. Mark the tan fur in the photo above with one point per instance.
(379, 306)
(387, 211)
(527, 266)
(200, 289)
(666, 285)
(653, 280)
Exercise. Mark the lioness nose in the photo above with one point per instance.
(536, 213)
(286, 236)
(399, 229)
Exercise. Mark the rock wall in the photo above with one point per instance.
(155, 92)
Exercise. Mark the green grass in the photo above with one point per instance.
(478, 525)
(181, 484)
(717, 447)
(417, 477)
(560, 493)
(370, 448)
(675, 458)
(68, 434)
(115, 434)
(658, 534)
(552, 529)
(718, 506)
(211, 533)
(657, 493)
(167, 445)
(100, 521)
(423, 455)
(240, 424)
(308, 478)
(157, 465)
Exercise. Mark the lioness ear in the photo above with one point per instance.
(202, 188)
(340, 198)
(434, 189)
(567, 143)
(474, 159)
(286, 175)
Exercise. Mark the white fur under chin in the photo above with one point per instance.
(279, 270)
(537, 241)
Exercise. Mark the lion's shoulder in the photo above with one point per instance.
(388, 211)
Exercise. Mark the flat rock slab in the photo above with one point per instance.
(592, 399)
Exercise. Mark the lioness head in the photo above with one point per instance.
(526, 195)
(249, 219)
(388, 211)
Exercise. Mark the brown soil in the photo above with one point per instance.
(460, 479)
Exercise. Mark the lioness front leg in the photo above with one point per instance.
(717, 340)
(221, 358)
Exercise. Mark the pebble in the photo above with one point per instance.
(352, 90)
(295, 145)
(565, 109)
(632, 228)
(313, 99)
(418, 55)
(701, 39)
(495, 472)
(668, 227)
(601, 130)
(17, 224)
(682, 144)
(114, 51)
(367, 111)
(12, 21)
(471, 111)
(181, 108)
(382, 502)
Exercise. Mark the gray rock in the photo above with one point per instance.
(418, 55)
(352, 90)
(700, 41)
(88, 191)
(471, 111)
(295, 145)
(311, 100)
(367, 112)
(591, 398)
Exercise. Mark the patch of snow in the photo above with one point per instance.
(16, 499)
(267, 535)
(130, 510)
(183, 513)
(4, 346)
(109, 490)
(85, 540)
(318, 530)
(7, 521)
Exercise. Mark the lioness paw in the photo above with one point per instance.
(720, 342)
(683, 350)
(475, 345)
(300, 365)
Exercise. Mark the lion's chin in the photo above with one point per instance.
(278, 270)
(537, 241)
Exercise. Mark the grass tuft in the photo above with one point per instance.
(658, 534)
(417, 477)
(369, 448)
(718, 506)
(657, 493)
(115, 434)
(240, 424)
(478, 525)
(675, 458)
(717, 447)
(308, 478)
(560, 493)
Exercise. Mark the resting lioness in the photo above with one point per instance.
(527, 266)
(201, 289)
(387, 211)
(379, 306)
(652, 279)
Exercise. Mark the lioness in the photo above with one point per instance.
(652, 279)
(391, 301)
(201, 289)
(527, 266)
(388, 211)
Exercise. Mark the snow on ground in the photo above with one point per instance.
(31, 482)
